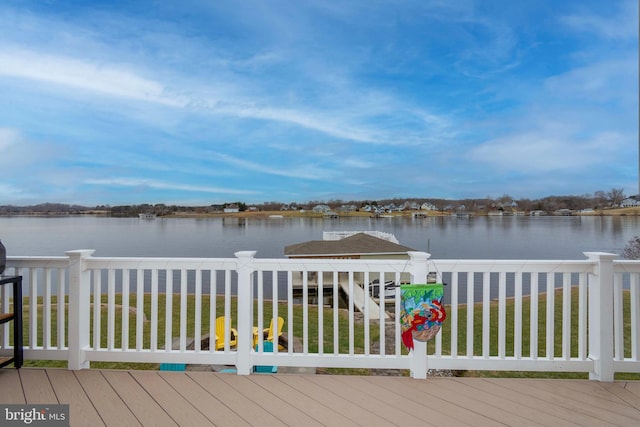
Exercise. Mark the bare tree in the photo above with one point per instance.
(616, 195)
(632, 250)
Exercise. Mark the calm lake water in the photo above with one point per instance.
(444, 237)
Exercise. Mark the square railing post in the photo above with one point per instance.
(419, 270)
(79, 308)
(601, 316)
(245, 271)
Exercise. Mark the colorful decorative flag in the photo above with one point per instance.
(421, 312)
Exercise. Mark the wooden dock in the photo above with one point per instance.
(164, 398)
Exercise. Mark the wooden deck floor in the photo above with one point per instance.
(127, 398)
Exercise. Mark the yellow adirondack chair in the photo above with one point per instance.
(233, 338)
(270, 333)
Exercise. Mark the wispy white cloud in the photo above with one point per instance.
(8, 137)
(100, 78)
(307, 171)
(160, 185)
(600, 81)
(548, 153)
(619, 22)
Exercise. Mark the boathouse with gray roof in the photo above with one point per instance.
(358, 246)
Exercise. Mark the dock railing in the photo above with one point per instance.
(511, 315)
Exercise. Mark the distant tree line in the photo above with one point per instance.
(44, 208)
(598, 200)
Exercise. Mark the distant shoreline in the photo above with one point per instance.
(308, 214)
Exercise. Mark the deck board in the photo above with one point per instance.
(522, 404)
(270, 401)
(36, 386)
(425, 394)
(12, 392)
(379, 390)
(68, 390)
(308, 384)
(633, 387)
(242, 406)
(494, 409)
(315, 409)
(107, 402)
(597, 399)
(210, 407)
(146, 410)
(378, 406)
(589, 409)
(116, 398)
(169, 398)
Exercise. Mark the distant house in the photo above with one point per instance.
(630, 202)
(426, 206)
(321, 208)
(348, 208)
(233, 208)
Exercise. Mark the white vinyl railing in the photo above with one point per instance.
(515, 315)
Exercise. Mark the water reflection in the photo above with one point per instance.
(444, 237)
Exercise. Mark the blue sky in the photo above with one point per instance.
(198, 102)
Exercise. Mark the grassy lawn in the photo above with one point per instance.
(343, 331)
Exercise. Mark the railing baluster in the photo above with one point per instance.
(305, 311)
(61, 303)
(274, 309)
(470, 312)
(517, 316)
(381, 311)
(33, 308)
(398, 340)
(126, 275)
(154, 309)
(551, 293)
(502, 313)
(140, 310)
(351, 315)
(183, 309)
(453, 314)
(635, 316)
(365, 289)
(486, 318)
(97, 305)
(227, 310)
(566, 316)
(618, 319)
(289, 312)
(46, 310)
(168, 312)
(336, 342)
(582, 316)
(111, 308)
(260, 303)
(213, 309)
(320, 275)
(533, 316)
(197, 330)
